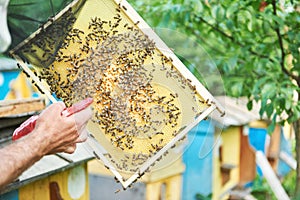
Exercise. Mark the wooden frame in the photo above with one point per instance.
(100, 152)
(9, 108)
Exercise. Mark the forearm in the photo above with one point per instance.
(17, 157)
(52, 133)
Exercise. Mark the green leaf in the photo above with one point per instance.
(278, 20)
(236, 88)
(214, 12)
(269, 109)
(272, 125)
(249, 25)
(198, 7)
(262, 106)
(288, 104)
(250, 105)
(258, 85)
(229, 24)
(231, 10)
(269, 90)
(269, 39)
(220, 13)
(232, 62)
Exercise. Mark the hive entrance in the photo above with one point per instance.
(145, 100)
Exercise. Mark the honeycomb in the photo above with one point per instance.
(143, 102)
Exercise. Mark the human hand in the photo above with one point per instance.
(57, 133)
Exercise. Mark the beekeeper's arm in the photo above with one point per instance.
(53, 133)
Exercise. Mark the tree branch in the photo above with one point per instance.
(296, 78)
(205, 41)
(233, 40)
(280, 40)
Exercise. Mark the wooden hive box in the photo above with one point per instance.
(54, 176)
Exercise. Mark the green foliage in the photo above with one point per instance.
(254, 44)
(203, 197)
(256, 51)
(288, 183)
(261, 190)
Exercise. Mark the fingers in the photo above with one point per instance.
(59, 133)
(70, 149)
(82, 136)
(58, 106)
(52, 111)
(82, 117)
(64, 149)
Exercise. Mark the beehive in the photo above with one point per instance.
(145, 100)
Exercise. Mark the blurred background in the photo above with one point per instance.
(247, 54)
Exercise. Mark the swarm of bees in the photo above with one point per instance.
(137, 109)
